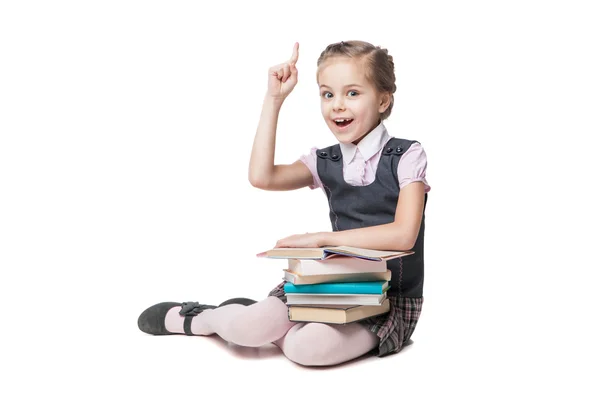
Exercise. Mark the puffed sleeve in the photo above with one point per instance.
(310, 160)
(412, 166)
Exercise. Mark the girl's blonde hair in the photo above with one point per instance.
(379, 65)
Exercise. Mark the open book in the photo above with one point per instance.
(323, 253)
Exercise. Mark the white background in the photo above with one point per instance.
(126, 129)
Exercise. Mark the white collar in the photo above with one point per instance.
(372, 143)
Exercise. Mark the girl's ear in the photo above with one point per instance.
(384, 102)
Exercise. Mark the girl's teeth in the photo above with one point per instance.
(343, 122)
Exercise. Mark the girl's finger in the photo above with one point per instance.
(294, 72)
(294, 58)
(280, 73)
(286, 72)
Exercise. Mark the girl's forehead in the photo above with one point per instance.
(341, 71)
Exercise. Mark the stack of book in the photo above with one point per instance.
(336, 285)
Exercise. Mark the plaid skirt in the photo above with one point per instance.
(393, 328)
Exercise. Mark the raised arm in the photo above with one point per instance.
(262, 171)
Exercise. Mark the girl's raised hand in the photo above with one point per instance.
(283, 77)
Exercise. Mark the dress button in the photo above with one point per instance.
(324, 153)
(334, 156)
(398, 149)
(389, 150)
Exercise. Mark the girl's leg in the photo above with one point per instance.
(321, 344)
(253, 326)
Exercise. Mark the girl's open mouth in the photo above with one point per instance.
(343, 122)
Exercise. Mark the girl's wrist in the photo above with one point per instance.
(325, 239)
(273, 100)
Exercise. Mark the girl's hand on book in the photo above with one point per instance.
(302, 240)
(283, 77)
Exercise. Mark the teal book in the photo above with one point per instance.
(375, 287)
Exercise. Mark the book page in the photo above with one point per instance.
(366, 252)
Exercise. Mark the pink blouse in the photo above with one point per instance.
(360, 161)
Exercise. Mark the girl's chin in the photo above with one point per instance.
(345, 137)
(342, 133)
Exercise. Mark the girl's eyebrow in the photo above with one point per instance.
(351, 85)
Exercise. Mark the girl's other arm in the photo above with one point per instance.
(402, 233)
(398, 235)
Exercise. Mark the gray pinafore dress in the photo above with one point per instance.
(375, 204)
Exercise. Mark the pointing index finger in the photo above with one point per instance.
(294, 58)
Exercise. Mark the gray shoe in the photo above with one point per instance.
(152, 320)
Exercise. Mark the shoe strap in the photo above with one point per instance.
(187, 325)
(190, 309)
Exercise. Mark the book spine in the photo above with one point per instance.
(335, 266)
(340, 287)
(334, 300)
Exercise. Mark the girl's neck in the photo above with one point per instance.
(357, 141)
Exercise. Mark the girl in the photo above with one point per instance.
(377, 194)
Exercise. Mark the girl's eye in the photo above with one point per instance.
(328, 95)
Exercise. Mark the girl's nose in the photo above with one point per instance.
(338, 104)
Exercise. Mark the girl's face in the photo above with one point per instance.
(350, 104)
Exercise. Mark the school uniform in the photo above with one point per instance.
(362, 183)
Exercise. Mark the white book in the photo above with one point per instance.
(339, 299)
(335, 265)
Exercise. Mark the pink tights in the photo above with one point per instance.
(267, 322)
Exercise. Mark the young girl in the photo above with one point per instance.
(377, 192)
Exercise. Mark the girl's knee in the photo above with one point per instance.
(314, 344)
(311, 344)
